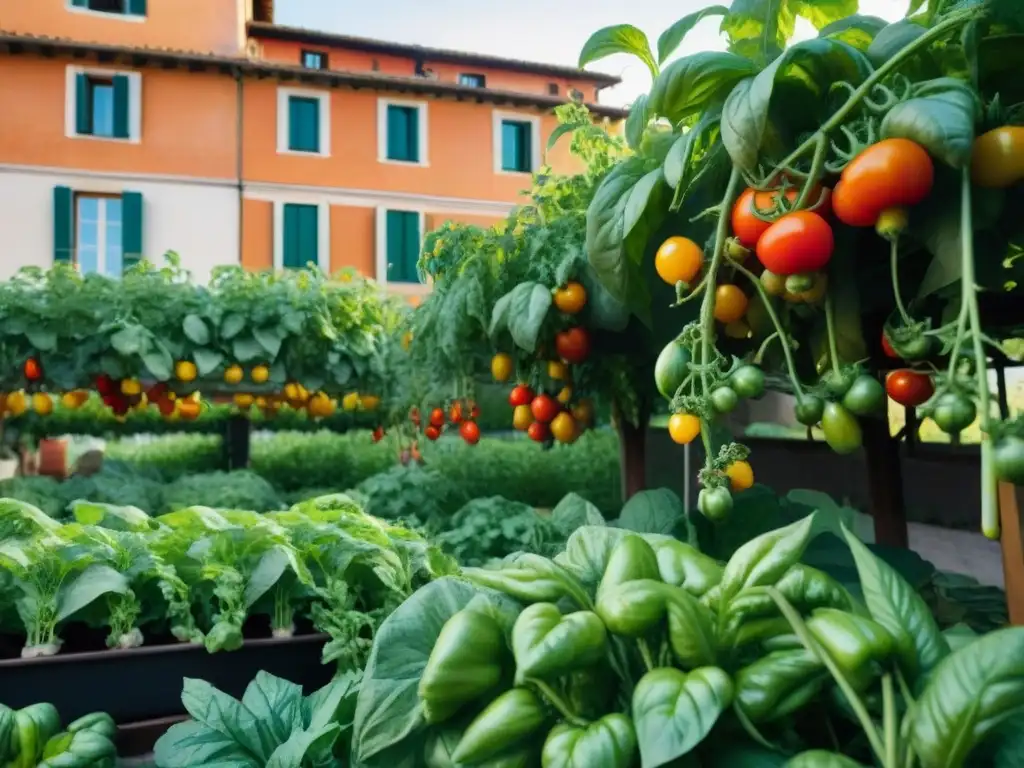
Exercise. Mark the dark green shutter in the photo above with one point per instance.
(303, 124)
(137, 7)
(121, 98)
(291, 257)
(509, 146)
(403, 133)
(525, 147)
(403, 246)
(411, 245)
(63, 223)
(83, 106)
(131, 228)
(309, 235)
(301, 236)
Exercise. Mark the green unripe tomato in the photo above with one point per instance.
(865, 397)
(842, 432)
(1007, 460)
(724, 399)
(715, 503)
(671, 368)
(954, 413)
(747, 381)
(808, 410)
(799, 283)
(917, 348)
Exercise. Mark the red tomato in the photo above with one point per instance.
(520, 395)
(538, 432)
(166, 407)
(33, 371)
(544, 408)
(887, 348)
(432, 432)
(378, 434)
(798, 243)
(894, 173)
(474, 411)
(455, 413)
(437, 418)
(470, 432)
(573, 345)
(909, 388)
(748, 229)
(104, 384)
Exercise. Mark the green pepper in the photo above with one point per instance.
(83, 749)
(36, 724)
(547, 644)
(855, 643)
(464, 664)
(633, 608)
(98, 722)
(441, 746)
(631, 559)
(531, 579)
(779, 684)
(502, 727)
(609, 743)
(684, 566)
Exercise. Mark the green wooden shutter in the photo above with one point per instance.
(309, 235)
(525, 147)
(137, 7)
(403, 246)
(411, 246)
(413, 143)
(83, 106)
(301, 236)
(403, 133)
(121, 99)
(291, 257)
(509, 146)
(303, 124)
(131, 228)
(63, 223)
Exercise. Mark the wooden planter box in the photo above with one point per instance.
(145, 683)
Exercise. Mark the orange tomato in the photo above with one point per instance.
(571, 298)
(730, 303)
(894, 173)
(683, 427)
(678, 258)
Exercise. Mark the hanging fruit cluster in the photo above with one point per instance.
(459, 414)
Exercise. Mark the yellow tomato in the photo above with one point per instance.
(42, 403)
(683, 427)
(370, 402)
(320, 405)
(558, 370)
(350, 401)
(501, 367)
(233, 374)
(678, 258)
(730, 303)
(17, 403)
(571, 298)
(522, 417)
(261, 402)
(74, 399)
(243, 400)
(260, 374)
(291, 390)
(131, 387)
(563, 428)
(185, 370)
(565, 395)
(740, 474)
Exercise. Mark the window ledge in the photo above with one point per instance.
(300, 153)
(116, 139)
(409, 163)
(503, 172)
(107, 15)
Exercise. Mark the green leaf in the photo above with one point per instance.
(742, 755)
(622, 198)
(589, 548)
(207, 360)
(636, 122)
(528, 306)
(94, 582)
(246, 349)
(276, 705)
(970, 694)
(679, 160)
(117, 518)
(760, 29)
(605, 312)
(761, 561)
(857, 31)
(815, 64)
(222, 714)
(674, 711)
(158, 362)
(130, 340)
(942, 123)
(188, 744)
(293, 753)
(891, 39)
(196, 330)
(231, 326)
(672, 37)
(820, 758)
(691, 84)
(573, 512)
(653, 511)
(895, 605)
(270, 338)
(621, 38)
(41, 339)
(499, 316)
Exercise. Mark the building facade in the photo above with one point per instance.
(134, 127)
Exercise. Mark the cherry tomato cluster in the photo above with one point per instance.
(461, 415)
(545, 418)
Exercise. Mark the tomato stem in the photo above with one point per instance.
(817, 163)
(894, 252)
(889, 721)
(830, 331)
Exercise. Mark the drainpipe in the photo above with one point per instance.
(239, 114)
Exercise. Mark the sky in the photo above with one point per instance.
(550, 31)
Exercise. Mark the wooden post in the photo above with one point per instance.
(885, 484)
(632, 453)
(237, 433)
(1012, 544)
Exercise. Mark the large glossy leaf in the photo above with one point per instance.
(857, 31)
(762, 561)
(674, 711)
(636, 122)
(92, 583)
(895, 605)
(191, 743)
(940, 118)
(224, 715)
(971, 693)
(672, 37)
(277, 707)
(815, 64)
(589, 548)
(688, 86)
(302, 744)
(196, 330)
(620, 38)
(388, 707)
(890, 39)
(653, 511)
(528, 306)
(760, 29)
(573, 512)
(820, 758)
(606, 312)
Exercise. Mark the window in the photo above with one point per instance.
(301, 236)
(103, 105)
(553, 89)
(100, 234)
(517, 146)
(304, 122)
(473, 81)
(402, 241)
(575, 94)
(115, 7)
(402, 131)
(314, 60)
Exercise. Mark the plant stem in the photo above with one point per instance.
(556, 701)
(830, 329)
(876, 77)
(889, 719)
(773, 315)
(751, 729)
(895, 273)
(817, 162)
(645, 653)
(856, 704)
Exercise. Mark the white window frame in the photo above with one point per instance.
(499, 116)
(104, 14)
(71, 106)
(101, 230)
(381, 251)
(323, 233)
(285, 93)
(421, 126)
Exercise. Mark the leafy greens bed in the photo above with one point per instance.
(202, 572)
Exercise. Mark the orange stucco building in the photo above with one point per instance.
(133, 127)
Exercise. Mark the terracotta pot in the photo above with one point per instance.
(53, 458)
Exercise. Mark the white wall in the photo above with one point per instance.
(198, 220)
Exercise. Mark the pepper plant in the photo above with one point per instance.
(637, 649)
(819, 210)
